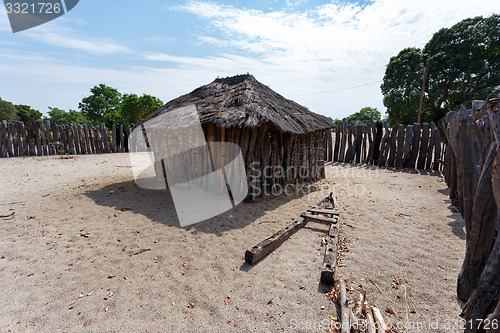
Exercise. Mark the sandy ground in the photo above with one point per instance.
(89, 251)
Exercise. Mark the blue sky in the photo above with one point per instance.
(328, 56)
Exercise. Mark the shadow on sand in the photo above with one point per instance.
(158, 206)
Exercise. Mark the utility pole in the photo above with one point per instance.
(422, 94)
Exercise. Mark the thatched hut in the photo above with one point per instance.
(281, 141)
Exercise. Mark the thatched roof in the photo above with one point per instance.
(242, 101)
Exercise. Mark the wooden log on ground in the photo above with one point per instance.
(330, 257)
(270, 244)
(345, 326)
(415, 145)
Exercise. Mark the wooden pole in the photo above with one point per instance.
(422, 95)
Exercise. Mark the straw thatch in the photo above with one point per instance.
(242, 101)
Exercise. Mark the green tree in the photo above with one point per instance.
(402, 86)
(366, 114)
(102, 105)
(8, 111)
(62, 117)
(26, 114)
(463, 63)
(135, 108)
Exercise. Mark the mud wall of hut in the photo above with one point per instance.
(273, 159)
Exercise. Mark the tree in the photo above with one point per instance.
(26, 114)
(135, 108)
(62, 117)
(8, 111)
(366, 114)
(103, 101)
(402, 85)
(463, 64)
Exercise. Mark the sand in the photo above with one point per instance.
(88, 251)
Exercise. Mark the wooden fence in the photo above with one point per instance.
(472, 172)
(43, 138)
(417, 146)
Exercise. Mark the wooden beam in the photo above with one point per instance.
(270, 244)
(319, 218)
(330, 258)
(324, 211)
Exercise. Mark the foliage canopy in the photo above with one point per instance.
(463, 64)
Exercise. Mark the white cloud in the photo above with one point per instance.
(58, 33)
(97, 47)
(298, 54)
(329, 47)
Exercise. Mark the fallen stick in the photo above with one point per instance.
(393, 304)
(354, 320)
(379, 319)
(360, 304)
(370, 323)
(270, 244)
(344, 309)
